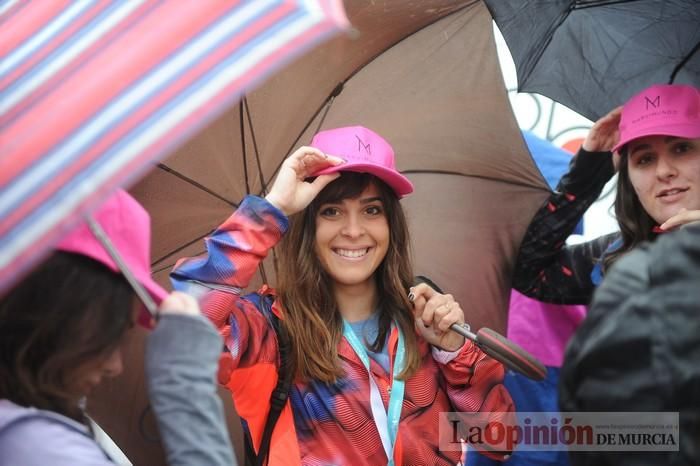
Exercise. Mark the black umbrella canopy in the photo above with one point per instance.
(593, 55)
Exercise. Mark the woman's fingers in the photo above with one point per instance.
(448, 314)
(420, 295)
(438, 312)
(308, 160)
(605, 133)
(322, 181)
(179, 303)
(614, 115)
(683, 217)
(434, 314)
(291, 192)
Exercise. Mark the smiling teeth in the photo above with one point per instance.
(352, 252)
(673, 191)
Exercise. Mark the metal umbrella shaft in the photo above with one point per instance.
(140, 291)
(504, 351)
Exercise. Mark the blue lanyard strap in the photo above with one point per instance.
(387, 422)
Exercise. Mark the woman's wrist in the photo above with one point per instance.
(444, 356)
(272, 200)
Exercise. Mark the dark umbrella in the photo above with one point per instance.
(592, 55)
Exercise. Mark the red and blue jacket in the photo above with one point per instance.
(324, 423)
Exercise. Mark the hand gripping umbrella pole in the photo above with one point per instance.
(497, 346)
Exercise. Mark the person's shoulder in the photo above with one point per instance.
(674, 271)
(676, 255)
(643, 320)
(36, 437)
(671, 259)
(654, 283)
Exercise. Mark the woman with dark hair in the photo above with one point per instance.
(54, 324)
(310, 308)
(61, 333)
(657, 135)
(374, 363)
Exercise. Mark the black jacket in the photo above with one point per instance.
(639, 347)
(546, 268)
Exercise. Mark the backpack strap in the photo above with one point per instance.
(279, 396)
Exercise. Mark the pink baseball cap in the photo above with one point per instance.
(661, 110)
(128, 226)
(364, 151)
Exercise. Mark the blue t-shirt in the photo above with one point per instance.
(367, 331)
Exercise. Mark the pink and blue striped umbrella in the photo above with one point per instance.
(92, 93)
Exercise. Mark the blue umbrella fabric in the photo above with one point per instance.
(552, 162)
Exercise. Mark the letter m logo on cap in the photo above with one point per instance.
(654, 103)
(361, 145)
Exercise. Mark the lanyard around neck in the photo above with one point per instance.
(387, 422)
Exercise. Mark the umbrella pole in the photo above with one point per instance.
(106, 243)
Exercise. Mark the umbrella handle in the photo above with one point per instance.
(504, 351)
(496, 345)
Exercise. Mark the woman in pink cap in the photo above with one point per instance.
(657, 136)
(371, 359)
(61, 333)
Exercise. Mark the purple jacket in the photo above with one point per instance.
(182, 356)
(30, 436)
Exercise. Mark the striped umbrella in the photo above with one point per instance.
(94, 92)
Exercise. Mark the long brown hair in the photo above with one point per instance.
(312, 318)
(636, 225)
(66, 313)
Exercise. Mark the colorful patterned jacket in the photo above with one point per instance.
(325, 424)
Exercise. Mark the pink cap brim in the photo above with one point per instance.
(156, 291)
(158, 294)
(680, 130)
(99, 254)
(401, 185)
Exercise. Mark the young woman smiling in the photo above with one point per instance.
(657, 135)
(374, 364)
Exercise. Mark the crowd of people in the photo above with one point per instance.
(355, 360)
